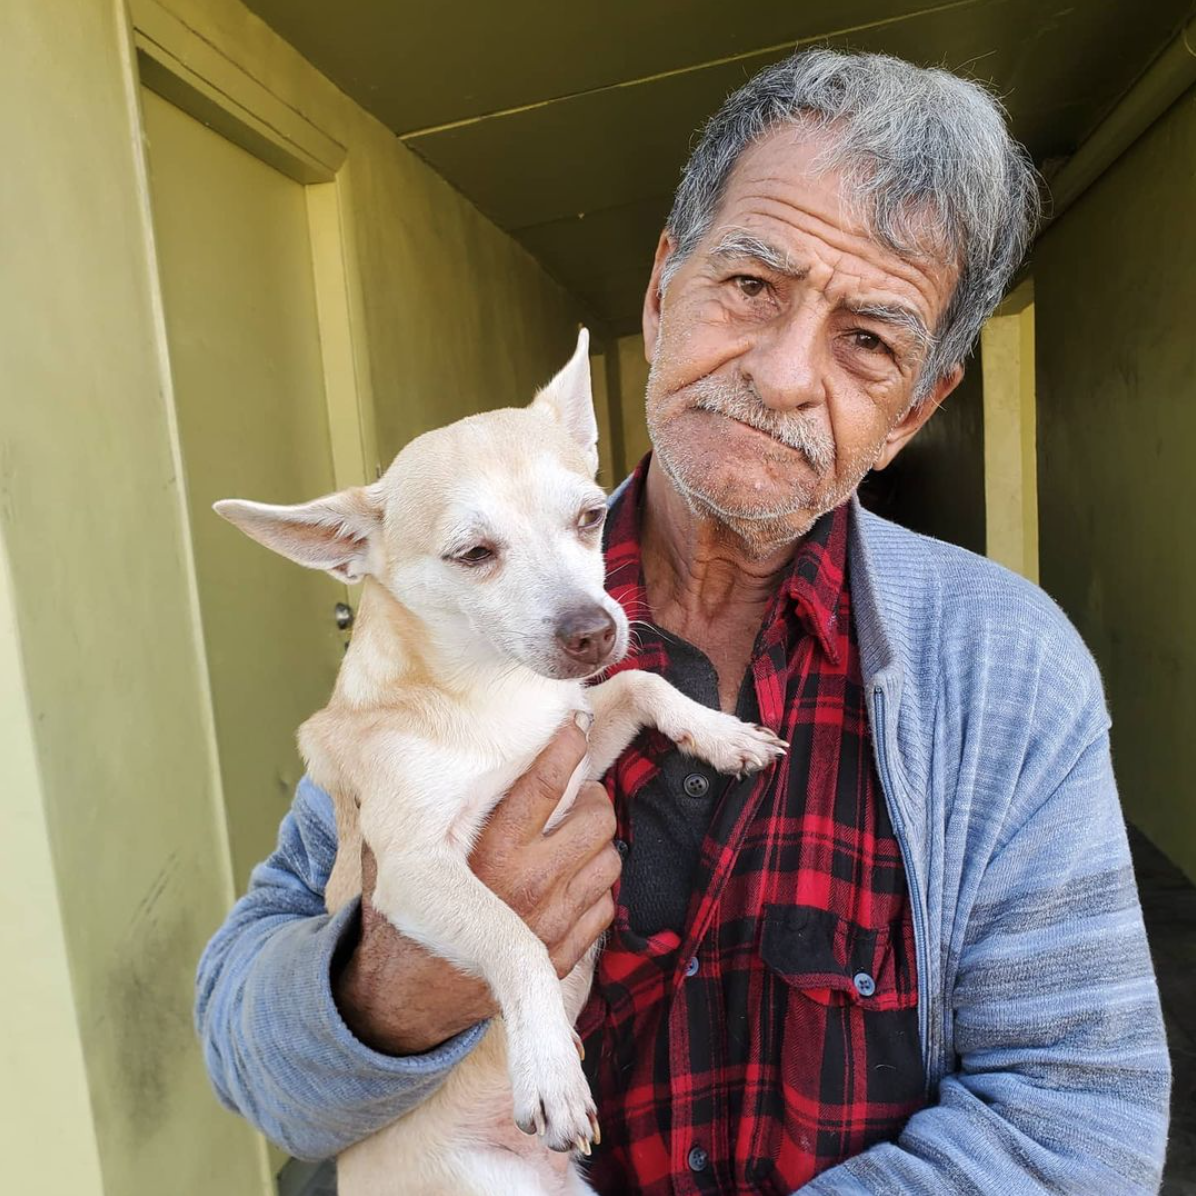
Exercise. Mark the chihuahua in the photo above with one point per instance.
(482, 619)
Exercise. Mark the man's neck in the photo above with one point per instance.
(698, 573)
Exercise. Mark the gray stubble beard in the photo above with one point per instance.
(761, 532)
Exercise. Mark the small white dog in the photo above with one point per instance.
(482, 615)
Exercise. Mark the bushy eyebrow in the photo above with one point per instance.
(737, 244)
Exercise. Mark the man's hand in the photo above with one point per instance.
(400, 999)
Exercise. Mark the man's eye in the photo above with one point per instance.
(870, 342)
(749, 286)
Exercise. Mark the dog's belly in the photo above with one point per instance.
(463, 1141)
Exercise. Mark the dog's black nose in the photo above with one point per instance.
(587, 635)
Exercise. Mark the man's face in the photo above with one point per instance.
(786, 349)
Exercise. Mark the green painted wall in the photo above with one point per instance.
(40, 1048)
(1115, 292)
(107, 759)
(91, 524)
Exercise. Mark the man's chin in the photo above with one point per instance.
(728, 502)
(760, 530)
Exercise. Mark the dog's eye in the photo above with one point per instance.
(592, 519)
(477, 555)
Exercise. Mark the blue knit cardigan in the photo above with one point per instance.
(1045, 1055)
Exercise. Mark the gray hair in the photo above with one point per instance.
(924, 153)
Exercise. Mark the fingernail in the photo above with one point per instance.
(584, 720)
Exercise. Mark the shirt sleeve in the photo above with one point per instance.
(1062, 1078)
(275, 1045)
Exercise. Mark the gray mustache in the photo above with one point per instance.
(743, 404)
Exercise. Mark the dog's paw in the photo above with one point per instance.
(552, 1097)
(727, 743)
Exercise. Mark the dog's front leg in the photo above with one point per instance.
(634, 699)
(430, 894)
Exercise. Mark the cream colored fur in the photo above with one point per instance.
(454, 682)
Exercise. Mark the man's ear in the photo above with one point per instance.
(654, 295)
(902, 432)
(338, 533)
(569, 399)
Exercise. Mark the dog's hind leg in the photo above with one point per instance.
(635, 699)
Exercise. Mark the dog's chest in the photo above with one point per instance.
(506, 739)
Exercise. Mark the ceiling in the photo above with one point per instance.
(568, 124)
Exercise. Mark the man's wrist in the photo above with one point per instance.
(395, 1019)
(356, 1003)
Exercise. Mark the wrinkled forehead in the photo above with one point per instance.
(791, 183)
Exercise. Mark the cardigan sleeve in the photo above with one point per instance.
(1062, 1076)
(274, 1043)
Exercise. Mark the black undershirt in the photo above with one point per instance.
(672, 812)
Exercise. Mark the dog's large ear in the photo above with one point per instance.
(338, 533)
(569, 399)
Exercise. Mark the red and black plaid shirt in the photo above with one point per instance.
(775, 1032)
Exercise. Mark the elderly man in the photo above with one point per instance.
(909, 960)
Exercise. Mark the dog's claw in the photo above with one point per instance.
(583, 1146)
(596, 1132)
(735, 748)
(557, 1101)
(581, 1047)
(773, 738)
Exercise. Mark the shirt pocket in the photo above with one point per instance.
(834, 961)
(835, 1045)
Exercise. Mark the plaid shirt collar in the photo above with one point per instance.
(810, 590)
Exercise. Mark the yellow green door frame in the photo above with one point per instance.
(1010, 436)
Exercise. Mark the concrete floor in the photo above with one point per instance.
(1169, 907)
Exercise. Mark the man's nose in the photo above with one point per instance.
(787, 364)
(587, 635)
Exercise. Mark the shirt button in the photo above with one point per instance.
(864, 984)
(696, 785)
(698, 1159)
(691, 968)
(621, 848)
